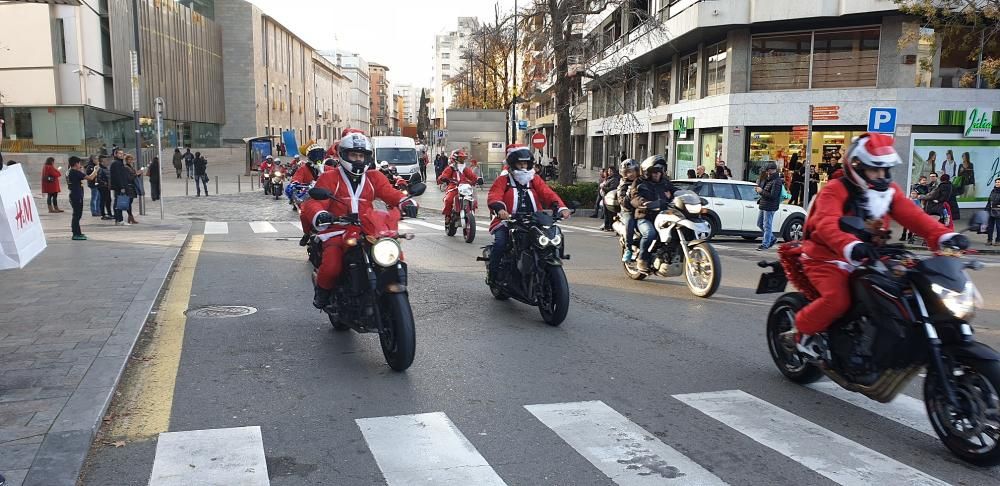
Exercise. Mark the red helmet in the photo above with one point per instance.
(345, 131)
(870, 151)
(458, 156)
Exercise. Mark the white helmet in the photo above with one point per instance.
(383, 166)
(355, 142)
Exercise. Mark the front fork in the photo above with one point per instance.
(936, 357)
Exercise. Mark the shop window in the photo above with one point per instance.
(780, 62)
(688, 88)
(845, 59)
(663, 85)
(716, 69)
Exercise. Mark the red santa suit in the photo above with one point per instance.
(504, 195)
(826, 250)
(303, 176)
(450, 174)
(346, 199)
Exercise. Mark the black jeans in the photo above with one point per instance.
(154, 189)
(52, 199)
(77, 205)
(423, 172)
(203, 179)
(106, 202)
(993, 222)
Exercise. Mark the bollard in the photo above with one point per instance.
(186, 190)
(238, 181)
(216, 185)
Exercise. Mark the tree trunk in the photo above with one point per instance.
(560, 47)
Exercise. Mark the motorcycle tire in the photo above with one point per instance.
(631, 269)
(555, 312)
(277, 190)
(780, 319)
(451, 228)
(710, 259)
(337, 325)
(469, 231)
(399, 338)
(498, 293)
(979, 378)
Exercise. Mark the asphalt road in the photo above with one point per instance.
(642, 384)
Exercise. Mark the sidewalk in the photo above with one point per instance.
(68, 322)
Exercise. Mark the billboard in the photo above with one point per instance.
(940, 152)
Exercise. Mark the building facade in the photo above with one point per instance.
(332, 90)
(355, 68)
(447, 61)
(733, 81)
(381, 100)
(65, 75)
(409, 99)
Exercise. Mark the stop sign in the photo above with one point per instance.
(538, 140)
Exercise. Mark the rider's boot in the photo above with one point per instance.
(321, 298)
(627, 255)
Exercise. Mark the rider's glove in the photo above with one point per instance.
(956, 242)
(863, 251)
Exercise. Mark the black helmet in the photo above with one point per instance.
(520, 154)
(315, 153)
(651, 164)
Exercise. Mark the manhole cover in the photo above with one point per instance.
(222, 311)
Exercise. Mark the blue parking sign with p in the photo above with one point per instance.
(882, 120)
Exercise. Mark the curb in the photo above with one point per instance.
(60, 458)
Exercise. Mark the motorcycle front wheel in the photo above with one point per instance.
(277, 190)
(630, 267)
(972, 430)
(780, 320)
(554, 296)
(702, 270)
(398, 339)
(337, 325)
(469, 231)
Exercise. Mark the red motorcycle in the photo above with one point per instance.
(463, 211)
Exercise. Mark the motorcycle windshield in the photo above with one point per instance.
(948, 272)
(381, 223)
(543, 218)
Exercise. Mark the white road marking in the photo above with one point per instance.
(425, 224)
(213, 456)
(262, 227)
(835, 457)
(297, 224)
(622, 450)
(579, 228)
(904, 409)
(405, 227)
(425, 449)
(216, 228)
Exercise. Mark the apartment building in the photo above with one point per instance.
(382, 106)
(356, 69)
(447, 61)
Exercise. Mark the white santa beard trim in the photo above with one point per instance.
(878, 203)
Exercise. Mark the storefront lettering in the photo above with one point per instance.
(978, 122)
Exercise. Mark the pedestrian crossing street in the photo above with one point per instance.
(419, 226)
(429, 449)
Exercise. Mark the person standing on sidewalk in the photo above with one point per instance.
(200, 174)
(74, 179)
(153, 172)
(104, 187)
(50, 184)
(178, 161)
(133, 188)
(770, 199)
(993, 210)
(95, 193)
(189, 163)
(119, 181)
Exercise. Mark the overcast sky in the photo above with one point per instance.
(396, 33)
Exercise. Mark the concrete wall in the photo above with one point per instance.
(27, 75)
(240, 44)
(468, 126)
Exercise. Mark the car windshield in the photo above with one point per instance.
(397, 156)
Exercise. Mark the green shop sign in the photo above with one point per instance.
(978, 123)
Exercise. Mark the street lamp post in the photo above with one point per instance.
(136, 71)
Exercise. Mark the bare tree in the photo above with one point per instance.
(423, 117)
(486, 79)
(970, 26)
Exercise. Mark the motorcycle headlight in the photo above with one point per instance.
(465, 190)
(961, 304)
(693, 208)
(557, 239)
(386, 252)
(543, 240)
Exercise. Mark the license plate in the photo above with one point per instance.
(772, 283)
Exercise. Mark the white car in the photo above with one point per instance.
(399, 152)
(732, 209)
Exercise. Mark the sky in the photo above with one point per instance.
(396, 33)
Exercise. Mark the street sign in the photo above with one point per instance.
(538, 140)
(522, 124)
(442, 134)
(882, 120)
(827, 113)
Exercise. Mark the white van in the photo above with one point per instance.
(399, 152)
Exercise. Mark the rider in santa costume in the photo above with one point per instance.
(829, 255)
(353, 188)
(457, 172)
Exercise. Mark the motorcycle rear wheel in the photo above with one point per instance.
(631, 269)
(399, 337)
(555, 298)
(703, 272)
(973, 433)
(337, 325)
(785, 356)
(469, 231)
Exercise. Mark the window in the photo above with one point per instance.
(445, 67)
(724, 191)
(445, 55)
(845, 59)
(780, 62)
(58, 42)
(445, 77)
(716, 69)
(747, 192)
(688, 88)
(641, 90)
(662, 85)
(630, 96)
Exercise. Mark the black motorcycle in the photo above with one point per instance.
(908, 313)
(531, 269)
(371, 292)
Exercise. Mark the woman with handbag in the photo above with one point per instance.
(50, 184)
(131, 186)
(993, 210)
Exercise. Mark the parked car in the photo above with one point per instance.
(732, 209)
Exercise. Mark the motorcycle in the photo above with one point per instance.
(277, 181)
(463, 212)
(682, 246)
(408, 207)
(908, 313)
(371, 293)
(265, 182)
(298, 194)
(531, 269)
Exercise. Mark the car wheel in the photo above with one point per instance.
(794, 228)
(715, 225)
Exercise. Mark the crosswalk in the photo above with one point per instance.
(430, 449)
(409, 225)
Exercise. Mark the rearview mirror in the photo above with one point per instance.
(320, 194)
(417, 189)
(853, 225)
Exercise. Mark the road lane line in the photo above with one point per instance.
(216, 228)
(405, 227)
(835, 457)
(150, 396)
(213, 456)
(579, 228)
(262, 227)
(425, 224)
(622, 450)
(425, 449)
(903, 409)
(297, 224)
